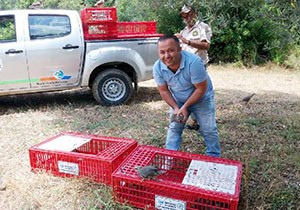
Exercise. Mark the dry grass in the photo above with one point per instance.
(264, 135)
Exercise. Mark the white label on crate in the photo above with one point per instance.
(101, 15)
(164, 203)
(212, 176)
(68, 168)
(64, 143)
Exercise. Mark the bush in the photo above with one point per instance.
(7, 29)
(249, 32)
(293, 58)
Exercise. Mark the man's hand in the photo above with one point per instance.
(180, 37)
(183, 111)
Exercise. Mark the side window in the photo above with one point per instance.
(48, 26)
(7, 29)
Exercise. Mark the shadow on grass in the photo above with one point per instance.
(40, 100)
(146, 94)
(78, 97)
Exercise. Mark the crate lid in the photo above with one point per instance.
(64, 143)
(212, 176)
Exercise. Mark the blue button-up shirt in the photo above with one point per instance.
(181, 83)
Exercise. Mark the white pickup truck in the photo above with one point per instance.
(45, 50)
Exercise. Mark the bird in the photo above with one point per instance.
(246, 99)
(2, 185)
(99, 4)
(177, 118)
(148, 172)
(36, 5)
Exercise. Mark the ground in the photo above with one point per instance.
(263, 134)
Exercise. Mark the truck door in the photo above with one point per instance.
(54, 50)
(13, 67)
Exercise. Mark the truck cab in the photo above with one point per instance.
(40, 51)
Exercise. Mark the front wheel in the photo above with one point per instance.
(112, 87)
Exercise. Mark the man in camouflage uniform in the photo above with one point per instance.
(195, 38)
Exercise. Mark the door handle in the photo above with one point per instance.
(13, 51)
(69, 46)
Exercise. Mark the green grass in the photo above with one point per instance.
(263, 135)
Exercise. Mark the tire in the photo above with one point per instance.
(112, 87)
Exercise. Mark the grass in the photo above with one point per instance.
(264, 135)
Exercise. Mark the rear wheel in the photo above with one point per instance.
(112, 87)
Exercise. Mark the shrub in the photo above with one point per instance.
(293, 58)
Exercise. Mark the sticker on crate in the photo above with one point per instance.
(212, 176)
(98, 29)
(68, 168)
(102, 15)
(164, 203)
(65, 143)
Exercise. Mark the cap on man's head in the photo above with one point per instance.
(186, 9)
(99, 2)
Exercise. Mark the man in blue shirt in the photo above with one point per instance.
(185, 86)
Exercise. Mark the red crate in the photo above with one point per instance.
(97, 15)
(104, 30)
(72, 154)
(190, 181)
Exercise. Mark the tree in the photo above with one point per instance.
(251, 32)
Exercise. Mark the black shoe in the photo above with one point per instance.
(194, 126)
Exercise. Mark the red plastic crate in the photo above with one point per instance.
(103, 30)
(190, 181)
(96, 15)
(101, 23)
(71, 154)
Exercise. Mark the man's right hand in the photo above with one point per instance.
(179, 36)
(182, 39)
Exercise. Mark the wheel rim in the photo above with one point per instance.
(114, 89)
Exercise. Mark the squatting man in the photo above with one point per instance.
(185, 86)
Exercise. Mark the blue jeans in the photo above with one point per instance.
(204, 111)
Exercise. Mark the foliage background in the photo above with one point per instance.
(245, 32)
